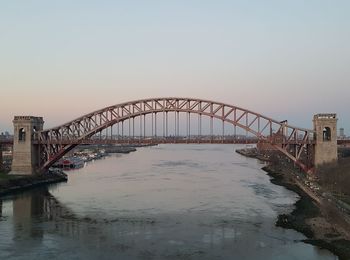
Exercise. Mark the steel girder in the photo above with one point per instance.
(57, 141)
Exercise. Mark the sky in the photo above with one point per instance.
(283, 59)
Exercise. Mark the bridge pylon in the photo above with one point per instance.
(326, 147)
(25, 151)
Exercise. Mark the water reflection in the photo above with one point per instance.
(155, 204)
(32, 209)
(40, 219)
(24, 209)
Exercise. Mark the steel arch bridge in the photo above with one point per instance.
(294, 142)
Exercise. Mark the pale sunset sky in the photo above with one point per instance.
(284, 59)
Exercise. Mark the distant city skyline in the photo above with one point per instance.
(283, 59)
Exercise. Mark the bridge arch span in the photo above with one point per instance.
(57, 141)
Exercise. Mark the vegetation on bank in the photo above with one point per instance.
(336, 179)
(16, 183)
(5, 176)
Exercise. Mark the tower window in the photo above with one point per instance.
(22, 135)
(326, 134)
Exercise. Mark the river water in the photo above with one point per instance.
(163, 202)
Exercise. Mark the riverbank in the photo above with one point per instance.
(321, 223)
(252, 153)
(17, 183)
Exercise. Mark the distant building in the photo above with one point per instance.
(5, 135)
(341, 133)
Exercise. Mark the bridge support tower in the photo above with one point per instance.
(1, 160)
(25, 152)
(326, 148)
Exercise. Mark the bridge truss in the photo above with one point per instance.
(153, 116)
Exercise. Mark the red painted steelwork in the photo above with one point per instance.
(291, 141)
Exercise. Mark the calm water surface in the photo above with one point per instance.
(165, 202)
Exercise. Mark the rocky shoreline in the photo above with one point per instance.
(308, 217)
(13, 184)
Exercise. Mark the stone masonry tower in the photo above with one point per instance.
(25, 152)
(326, 149)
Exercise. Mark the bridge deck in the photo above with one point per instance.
(156, 141)
(161, 141)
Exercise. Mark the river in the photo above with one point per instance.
(162, 202)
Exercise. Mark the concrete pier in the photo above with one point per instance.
(25, 155)
(326, 147)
